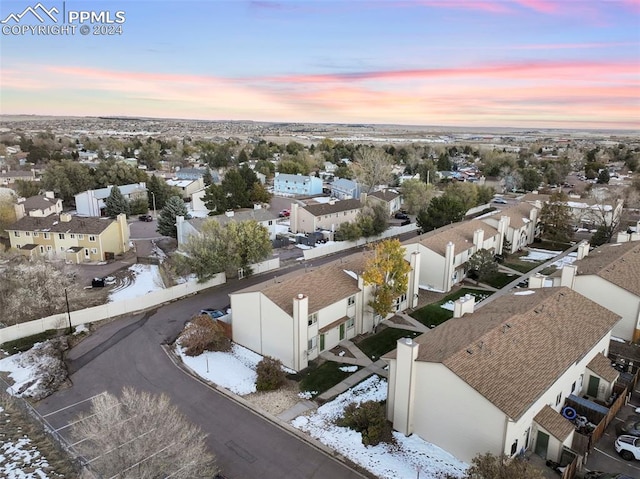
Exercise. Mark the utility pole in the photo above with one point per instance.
(153, 197)
(66, 298)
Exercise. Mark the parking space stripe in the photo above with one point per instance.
(615, 458)
(72, 405)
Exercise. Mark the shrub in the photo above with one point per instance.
(369, 419)
(203, 334)
(270, 374)
(24, 344)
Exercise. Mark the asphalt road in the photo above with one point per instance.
(128, 352)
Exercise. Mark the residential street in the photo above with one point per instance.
(128, 352)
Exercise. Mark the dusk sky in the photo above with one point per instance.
(509, 63)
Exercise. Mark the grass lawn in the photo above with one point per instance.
(522, 266)
(383, 342)
(433, 314)
(321, 378)
(498, 279)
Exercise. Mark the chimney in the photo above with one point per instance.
(179, 227)
(332, 201)
(363, 198)
(229, 213)
(65, 217)
(568, 274)
(537, 281)
(583, 249)
(463, 305)
(402, 383)
(49, 194)
(478, 238)
(257, 206)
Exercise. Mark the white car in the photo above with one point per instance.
(628, 447)
(500, 201)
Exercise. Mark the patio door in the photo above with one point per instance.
(341, 331)
(542, 443)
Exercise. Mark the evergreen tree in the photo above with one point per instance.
(116, 203)
(207, 178)
(167, 218)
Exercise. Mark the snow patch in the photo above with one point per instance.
(524, 293)
(348, 369)
(146, 278)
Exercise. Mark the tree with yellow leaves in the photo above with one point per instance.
(387, 271)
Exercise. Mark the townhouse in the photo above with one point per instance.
(496, 380)
(92, 202)
(296, 185)
(297, 316)
(322, 216)
(76, 239)
(519, 224)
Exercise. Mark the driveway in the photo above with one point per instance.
(128, 352)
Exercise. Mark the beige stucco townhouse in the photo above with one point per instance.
(444, 252)
(297, 316)
(322, 216)
(495, 380)
(519, 224)
(610, 275)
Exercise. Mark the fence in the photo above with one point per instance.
(327, 249)
(262, 267)
(109, 310)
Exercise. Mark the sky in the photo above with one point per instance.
(504, 63)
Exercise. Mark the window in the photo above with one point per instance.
(351, 301)
(312, 319)
(312, 343)
(61, 235)
(16, 234)
(35, 234)
(573, 386)
(558, 399)
(49, 248)
(92, 238)
(94, 251)
(41, 249)
(80, 237)
(514, 447)
(46, 235)
(27, 233)
(86, 252)
(351, 323)
(270, 222)
(72, 236)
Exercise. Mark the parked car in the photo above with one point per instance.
(401, 216)
(630, 427)
(628, 447)
(145, 218)
(284, 214)
(606, 475)
(97, 283)
(214, 313)
(500, 201)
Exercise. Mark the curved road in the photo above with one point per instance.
(128, 352)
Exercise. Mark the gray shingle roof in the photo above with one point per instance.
(554, 422)
(39, 202)
(337, 207)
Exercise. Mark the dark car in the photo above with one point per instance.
(630, 427)
(401, 216)
(97, 283)
(145, 218)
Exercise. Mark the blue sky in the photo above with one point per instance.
(520, 63)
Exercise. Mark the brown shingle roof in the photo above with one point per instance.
(39, 202)
(324, 285)
(52, 223)
(460, 235)
(618, 263)
(385, 195)
(517, 214)
(513, 349)
(601, 365)
(337, 207)
(556, 424)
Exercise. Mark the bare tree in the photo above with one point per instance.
(372, 167)
(140, 435)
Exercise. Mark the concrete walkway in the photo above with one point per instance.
(414, 324)
(355, 378)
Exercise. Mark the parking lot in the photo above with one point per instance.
(604, 457)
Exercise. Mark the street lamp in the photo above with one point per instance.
(153, 197)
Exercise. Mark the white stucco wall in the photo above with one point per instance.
(260, 325)
(432, 267)
(614, 298)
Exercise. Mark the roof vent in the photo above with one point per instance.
(300, 295)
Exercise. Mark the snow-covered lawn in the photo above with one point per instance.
(536, 255)
(402, 460)
(235, 371)
(145, 279)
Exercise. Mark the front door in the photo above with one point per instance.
(341, 331)
(542, 443)
(592, 388)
